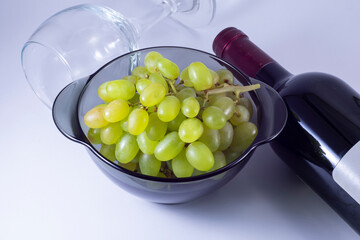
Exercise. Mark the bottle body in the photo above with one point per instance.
(322, 127)
(323, 124)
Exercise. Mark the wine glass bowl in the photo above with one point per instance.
(73, 44)
(72, 103)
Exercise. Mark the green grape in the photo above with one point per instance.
(201, 102)
(190, 130)
(156, 129)
(126, 148)
(197, 172)
(103, 94)
(151, 109)
(141, 84)
(175, 124)
(149, 165)
(137, 121)
(200, 76)
(120, 89)
(179, 87)
(215, 78)
(169, 147)
(140, 72)
(211, 138)
(184, 77)
(111, 133)
(214, 117)
(158, 78)
(151, 59)
(200, 156)
(145, 144)
(231, 155)
(116, 110)
(135, 99)
(136, 158)
(244, 101)
(213, 98)
(181, 167)
(95, 117)
(168, 109)
(241, 114)
(244, 135)
(169, 164)
(219, 161)
(94, 135)
(137, 106)
(190, 107)
(226, 136)
(124, 124)
(201, 113)
(185, 93)
(152, 94)
(108, 151)
(131, 78)
(129, 166)
(227, 105)
(225, 76)
(168, 69)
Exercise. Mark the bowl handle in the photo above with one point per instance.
(64, 111)
(273, 114)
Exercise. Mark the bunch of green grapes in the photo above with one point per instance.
(164, 122)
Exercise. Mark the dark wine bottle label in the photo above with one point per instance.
(347, 172)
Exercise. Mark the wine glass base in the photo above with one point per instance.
(199, 14)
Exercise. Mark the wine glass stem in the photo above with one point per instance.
(154, 15)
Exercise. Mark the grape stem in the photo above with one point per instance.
(236, 89)
(171, 85)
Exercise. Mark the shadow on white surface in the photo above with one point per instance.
(266, 196)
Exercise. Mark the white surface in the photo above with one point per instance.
(50, 189)
(347, 172)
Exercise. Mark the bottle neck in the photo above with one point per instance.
(234, 46)
(274, 75)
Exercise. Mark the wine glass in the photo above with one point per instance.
(77, 41)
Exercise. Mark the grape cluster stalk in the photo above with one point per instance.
(160, 121)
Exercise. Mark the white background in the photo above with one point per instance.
(50, 188)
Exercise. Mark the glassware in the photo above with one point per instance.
(70, 106)
(321, 139)
(77, 41)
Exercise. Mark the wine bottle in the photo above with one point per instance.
(321, 138)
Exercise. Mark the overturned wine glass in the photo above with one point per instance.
(75, 42)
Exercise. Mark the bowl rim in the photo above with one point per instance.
(200, 177)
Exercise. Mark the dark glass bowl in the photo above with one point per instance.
(80, 96)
